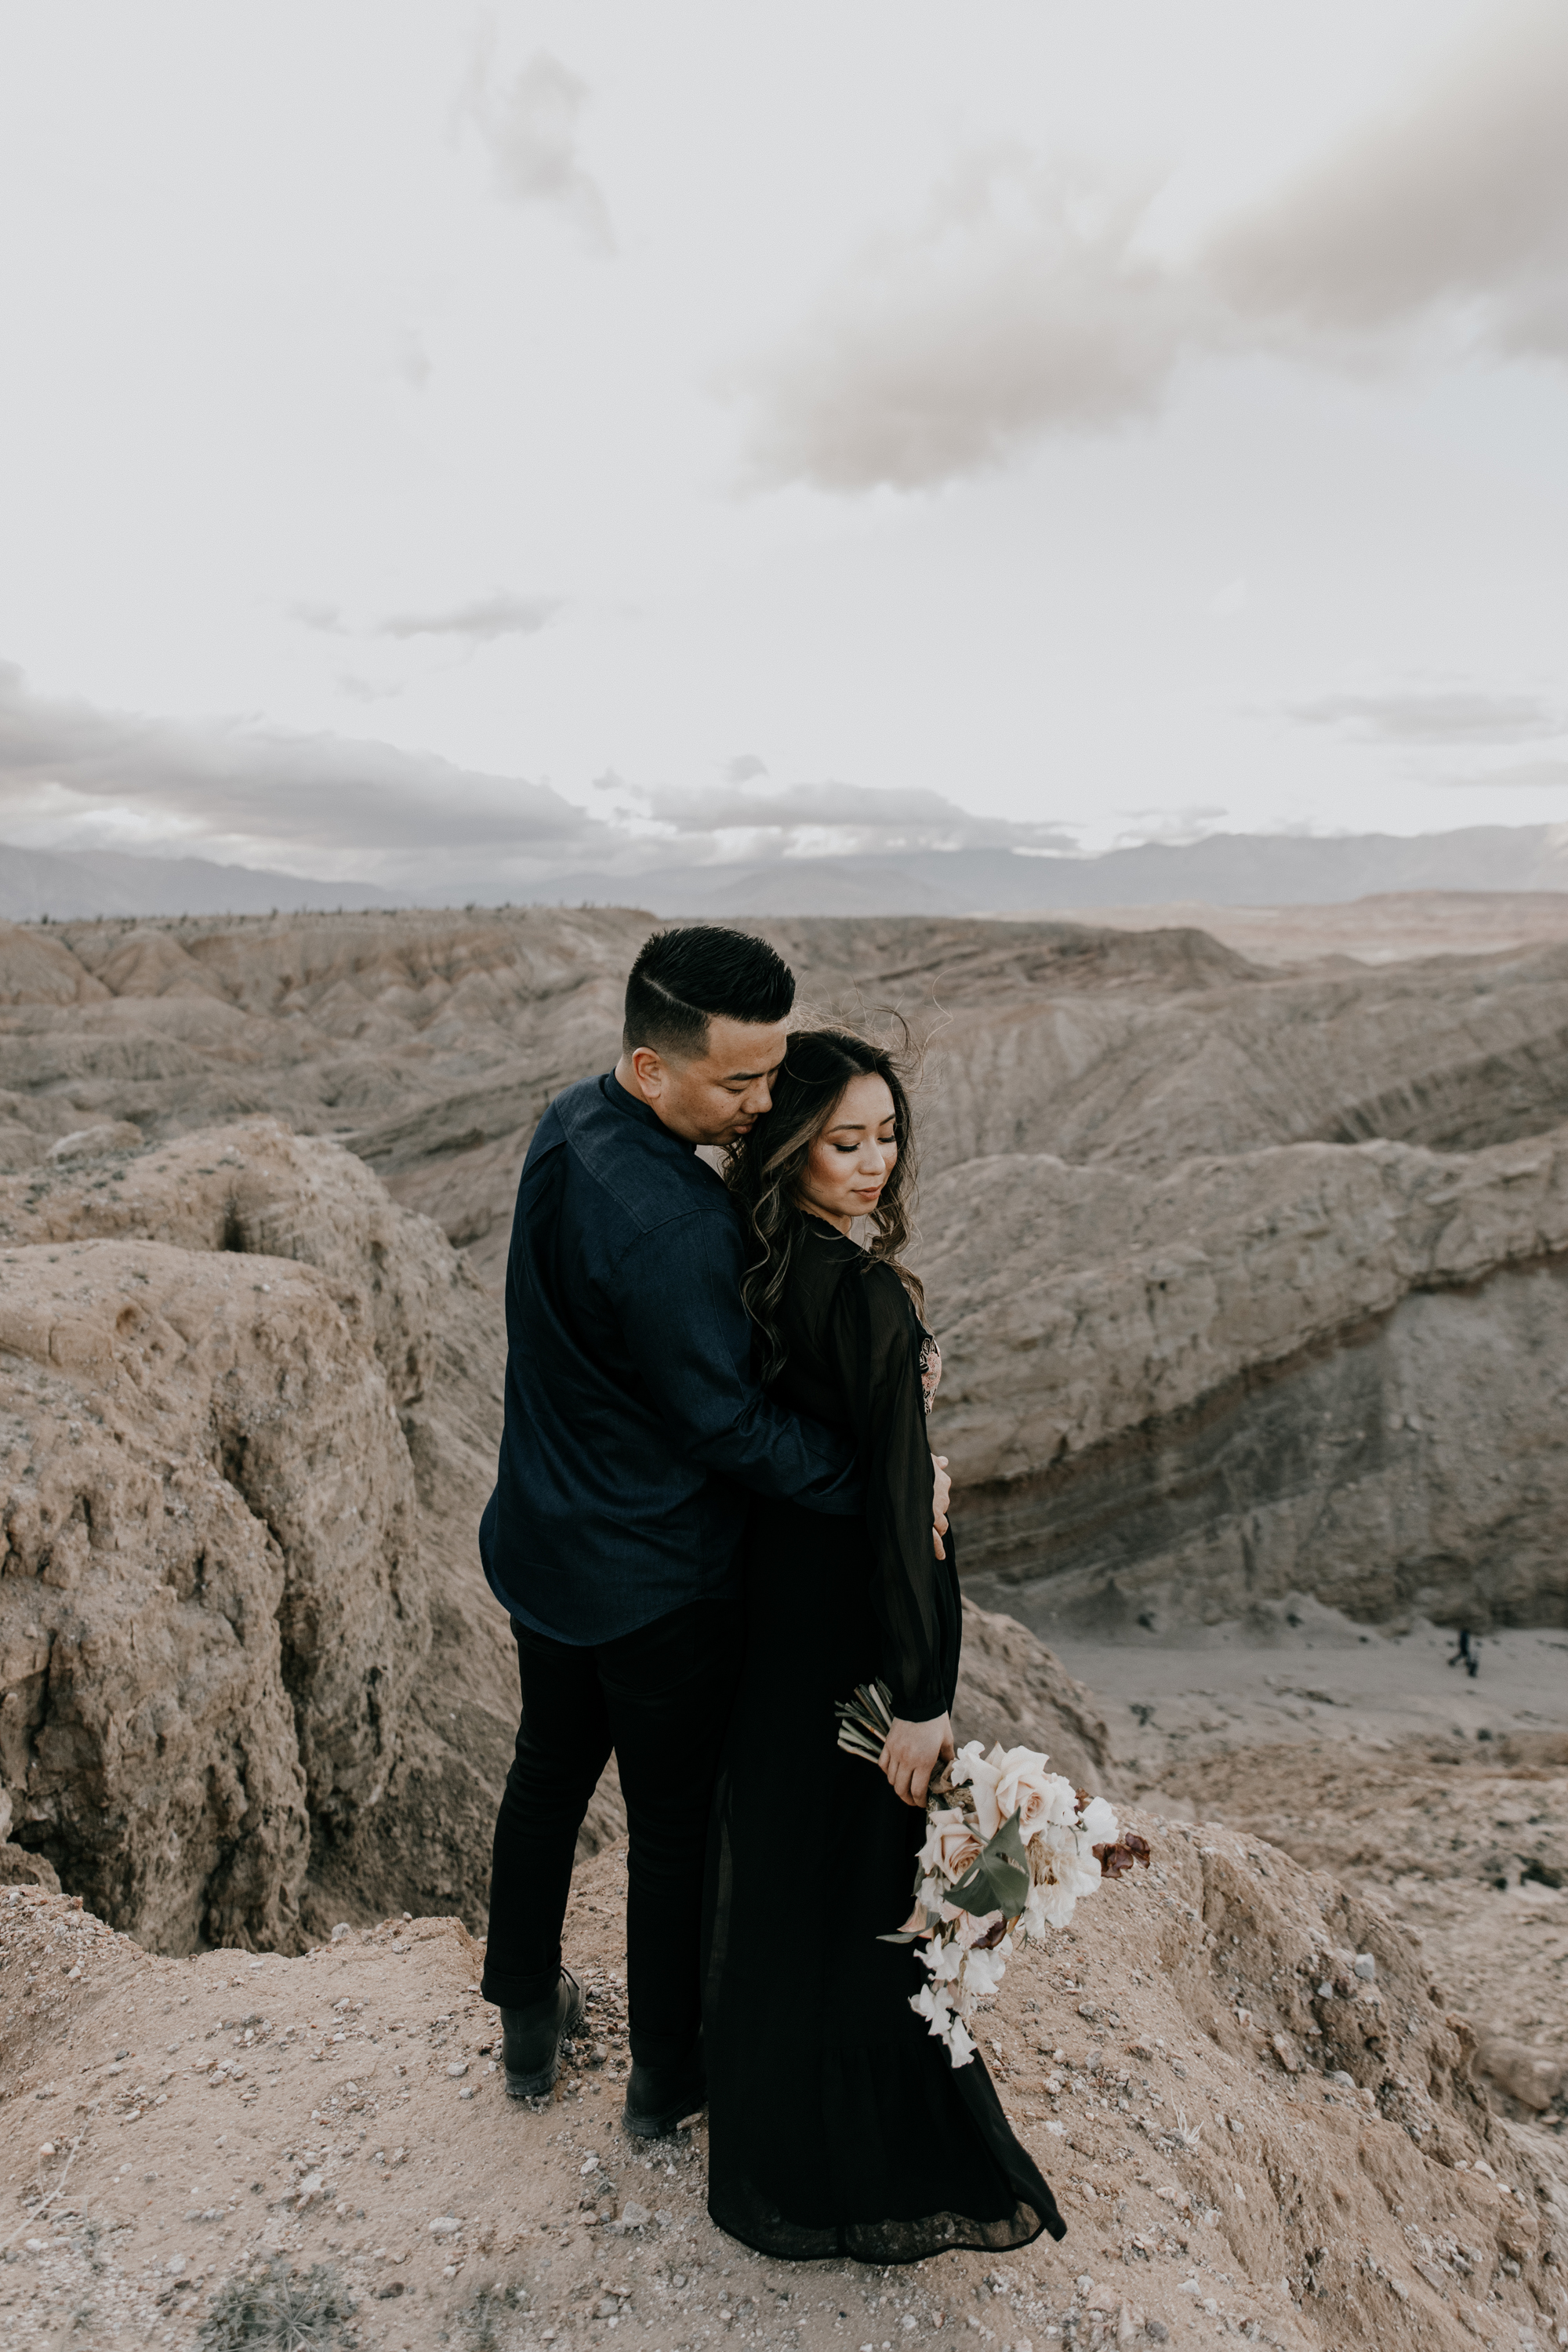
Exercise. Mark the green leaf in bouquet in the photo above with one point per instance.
(999, 1880)
(904, 1936)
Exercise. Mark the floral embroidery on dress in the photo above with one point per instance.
(931, 1368)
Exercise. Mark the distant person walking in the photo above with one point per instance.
(634, 1432)
(1469, 1654)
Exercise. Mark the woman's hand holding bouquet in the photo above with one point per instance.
(1009, 1845)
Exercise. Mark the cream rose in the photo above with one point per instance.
(1041, 1798)
(951, 1846)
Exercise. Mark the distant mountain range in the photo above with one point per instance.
(73, 885)
(1227, 869)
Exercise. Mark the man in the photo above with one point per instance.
(634, 1432)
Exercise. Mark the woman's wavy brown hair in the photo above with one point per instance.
(763, 1170)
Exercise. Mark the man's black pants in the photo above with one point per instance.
(660, 1698)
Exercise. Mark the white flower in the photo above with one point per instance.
(980, 1773)
(1057, 1840)
(1049, 1906)
(984, 1971)
(944, 1960)
(935, 2004)
(1078, 1875)
(1072, 1856)
(1100, 1825)
(960, 2043)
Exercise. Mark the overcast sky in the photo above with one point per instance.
(439, 443)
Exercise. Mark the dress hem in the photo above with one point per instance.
(838, 2244)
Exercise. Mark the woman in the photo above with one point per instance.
(836, 2124)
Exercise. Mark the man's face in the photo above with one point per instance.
(724, 1092)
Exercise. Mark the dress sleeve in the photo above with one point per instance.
(875, 1338)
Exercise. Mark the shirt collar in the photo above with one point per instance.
(629, 1105)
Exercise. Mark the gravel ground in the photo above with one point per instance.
(1241, 2148)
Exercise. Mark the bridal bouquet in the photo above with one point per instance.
(1010, 1849)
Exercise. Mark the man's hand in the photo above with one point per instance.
(910, 1754)
(941, 1488)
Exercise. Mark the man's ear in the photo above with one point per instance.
(650, 1069)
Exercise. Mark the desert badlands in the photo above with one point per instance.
(1249, 1259)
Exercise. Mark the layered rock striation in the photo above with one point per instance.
(1334, 1371)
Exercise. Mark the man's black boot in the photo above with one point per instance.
(658, 2097)
(531, 2038)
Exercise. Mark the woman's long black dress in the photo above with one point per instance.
(836, 2123)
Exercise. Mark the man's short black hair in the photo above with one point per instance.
(682, 977)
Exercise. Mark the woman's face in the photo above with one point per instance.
(853, 1158)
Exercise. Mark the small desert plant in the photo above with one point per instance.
(277, 2309)
(490, 2311)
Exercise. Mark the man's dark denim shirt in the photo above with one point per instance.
(634, 1427)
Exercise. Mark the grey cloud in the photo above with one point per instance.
(500, 614)
(856, 817)
(1017, 305)
(480, 620)
(1462, 197)
(530, 130)
(1533, 775)
(1021, 305)
(73, 775)
(250, 786)
(326, 619)
(742, 768)
(1436, 715)
(1175, 828)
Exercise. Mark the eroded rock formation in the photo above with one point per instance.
(1320, 1370)
(429, 1043)
(246, 1671)
(1205, 1342)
